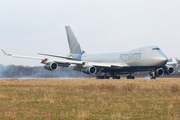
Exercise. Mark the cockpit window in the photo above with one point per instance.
(156, 49)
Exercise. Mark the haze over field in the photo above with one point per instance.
(29, 27)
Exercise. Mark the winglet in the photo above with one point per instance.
(4, 52)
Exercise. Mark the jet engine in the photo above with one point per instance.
(89, 70)
(168, 70)
(51, 66)
(159, 72)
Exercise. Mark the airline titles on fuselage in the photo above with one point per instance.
(130, 56)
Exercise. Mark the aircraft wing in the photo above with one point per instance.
(86, 63)
(173, 62)
(18, 56)
(66, 63)
(69, 58)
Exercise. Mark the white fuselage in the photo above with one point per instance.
(144, 56)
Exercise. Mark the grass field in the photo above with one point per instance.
(83, 99)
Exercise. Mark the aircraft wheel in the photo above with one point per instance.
(102, 77)
(152, 75)
(98, 77)
(130, 77)
(118, 77)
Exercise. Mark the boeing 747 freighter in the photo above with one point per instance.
(110, 64)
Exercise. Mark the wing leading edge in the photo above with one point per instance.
(66, 63)
(19, 56)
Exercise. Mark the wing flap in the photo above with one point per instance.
(69, 62)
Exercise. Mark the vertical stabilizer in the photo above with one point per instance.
(74, 46)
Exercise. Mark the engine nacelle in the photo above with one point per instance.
(51, 66)
(89, 70)
(168, 70)
(159, 72)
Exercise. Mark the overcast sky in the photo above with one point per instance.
(31, 26)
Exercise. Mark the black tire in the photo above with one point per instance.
(118, 77)
(151, 77)
(97, 77)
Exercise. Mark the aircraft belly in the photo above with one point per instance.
(130, 69)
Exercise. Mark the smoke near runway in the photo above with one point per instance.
(12, 71)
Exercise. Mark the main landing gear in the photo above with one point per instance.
(152, 74)
(107, 76)
(116, 76)
(102, 77)
(130, 76)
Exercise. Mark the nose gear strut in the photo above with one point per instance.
(153, 74)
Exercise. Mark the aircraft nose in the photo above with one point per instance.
(160, 59)
(163, 59)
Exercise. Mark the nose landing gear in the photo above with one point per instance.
(152, 74)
